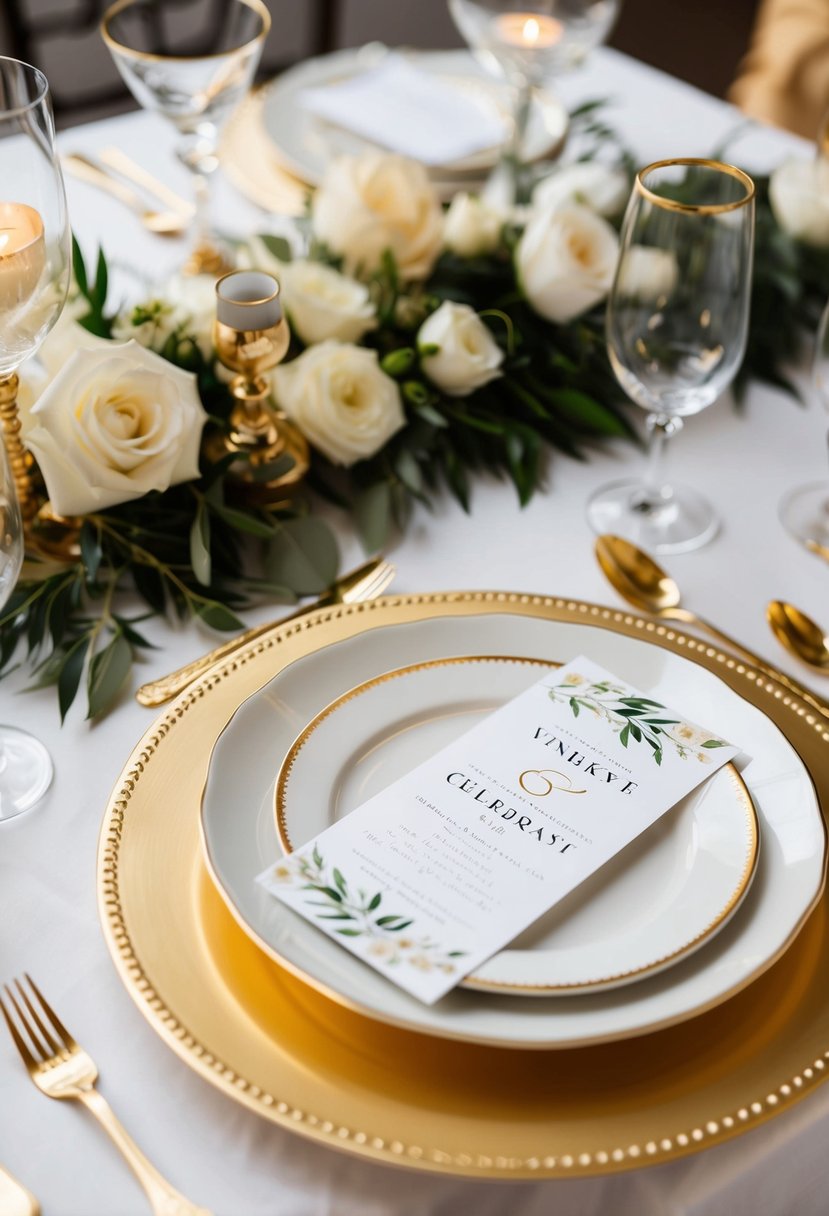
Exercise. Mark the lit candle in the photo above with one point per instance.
(528, 31)
(22, 254)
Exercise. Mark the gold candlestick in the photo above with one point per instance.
(21, 462)
(251, 337)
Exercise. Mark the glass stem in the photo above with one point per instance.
(655, 492)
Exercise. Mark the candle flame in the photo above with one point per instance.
(531, 30)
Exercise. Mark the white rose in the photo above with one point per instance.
(341, 400)
(65, 339)
(648, 274)
(468, 355)
(112, 426)
(470, 227)
(799, 195)
(323, 304)
(565, 261)
(371, 203)
(597, 186)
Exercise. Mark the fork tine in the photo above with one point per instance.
(53, 1046)
(51, 1015)
(19, 1041)
(27, 1026)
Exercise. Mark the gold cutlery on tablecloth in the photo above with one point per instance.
(648, 587)
(799, 634)
(15, 1200)
(115, 159)
(61, 1069)
(365, 583)
(162, 223)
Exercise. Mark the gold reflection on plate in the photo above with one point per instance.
(272, 1043)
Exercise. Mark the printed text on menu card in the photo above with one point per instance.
(444, 867)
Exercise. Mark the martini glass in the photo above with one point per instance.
(34, 278)
(528, 41)
(194, 86)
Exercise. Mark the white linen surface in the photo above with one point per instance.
(217, 1153)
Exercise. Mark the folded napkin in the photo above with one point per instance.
(407, 110)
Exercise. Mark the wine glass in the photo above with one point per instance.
(528, 41)
(677, 321)
(195, 86)
(34, 279)
(804, 511)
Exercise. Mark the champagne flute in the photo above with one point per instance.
(527, 41)
(196, 91)
(34, 279)
(677, 322)
(804, 511)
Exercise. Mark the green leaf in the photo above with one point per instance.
(385, 921)
(574, 705)
(218, 616)
(375, 903)
(588, 413)
(99, 292)
(149, 584)
(91, 551)
(79, 269)
(70, 675)
(303, 555)
(277, 246)
(408, 470)
(339, 881)
(714, 743)
(623, 737)
(243, 521)
(373, 516)
(107, 673)
(403, 925)
(200, 544)
(350, 932)
(273, 469)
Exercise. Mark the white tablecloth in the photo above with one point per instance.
(216, 1152)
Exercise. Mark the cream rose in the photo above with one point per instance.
(323, 304)
(597, 186)
(799, 196)
(565, 261)
(470, 227)
(113, 425)
(648, 274)
(468, 356)
(341, 400)
(375, 202)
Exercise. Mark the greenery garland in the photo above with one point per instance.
(194, 552)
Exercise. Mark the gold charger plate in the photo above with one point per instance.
(280, 1048)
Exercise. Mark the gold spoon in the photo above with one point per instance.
(643, 583)
(799, 634)
(162, 223)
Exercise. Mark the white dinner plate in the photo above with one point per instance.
(665, 895)
(240, 838)
(306, 143)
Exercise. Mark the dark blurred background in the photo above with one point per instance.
(700, 41)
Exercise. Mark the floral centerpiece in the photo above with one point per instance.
(428, 345)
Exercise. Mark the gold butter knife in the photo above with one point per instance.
(364, 583)
(15, 1200)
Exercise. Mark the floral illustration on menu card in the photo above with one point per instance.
(635, 718)
(361, 915)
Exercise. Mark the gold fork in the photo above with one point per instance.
(62, 1069)
(365, 583)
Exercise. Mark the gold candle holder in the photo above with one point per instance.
(251, 337)
(20, 461)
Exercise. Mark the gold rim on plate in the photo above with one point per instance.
(273, 1044)
(473, 981)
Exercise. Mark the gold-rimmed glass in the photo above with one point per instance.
(194, 79)
(677, 323)
(34, 279)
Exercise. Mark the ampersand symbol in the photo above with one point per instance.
(543, 780)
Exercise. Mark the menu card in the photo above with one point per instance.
(449, 863)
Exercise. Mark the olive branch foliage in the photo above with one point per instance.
(195, 552)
